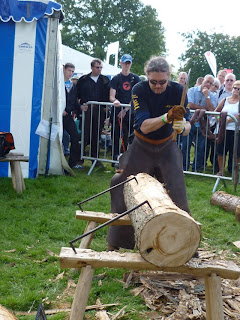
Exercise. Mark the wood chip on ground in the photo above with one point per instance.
(179, 296)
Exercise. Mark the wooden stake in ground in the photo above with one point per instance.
(237, 213)
(165, 235)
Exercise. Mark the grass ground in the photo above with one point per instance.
(36, 224)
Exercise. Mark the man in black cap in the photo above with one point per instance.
(120, 93)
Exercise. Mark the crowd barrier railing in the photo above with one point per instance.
(105, 135)
(200, 152)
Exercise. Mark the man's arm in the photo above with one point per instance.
(153, 124)
(79, 86)
(106, 88)
(209, 104)
(193, 106)
(112, 98)
(220, 106)
(191, 100)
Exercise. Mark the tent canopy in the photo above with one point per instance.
(28, 40)
(23, 10)
(82, 62)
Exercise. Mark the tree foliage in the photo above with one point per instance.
(225, 48)
(90, 25)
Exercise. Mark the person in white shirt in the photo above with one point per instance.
(231, 106)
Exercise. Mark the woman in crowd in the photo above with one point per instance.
(231, 106)
(215, 86)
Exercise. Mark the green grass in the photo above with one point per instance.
(43, 218)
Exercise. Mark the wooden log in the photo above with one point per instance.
(225, 200)
(5, 314)
(165, 235)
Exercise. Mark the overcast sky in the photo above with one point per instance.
(187, 15)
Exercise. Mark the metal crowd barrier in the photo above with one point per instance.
(101, 128)
(100, 142)
(207, 169)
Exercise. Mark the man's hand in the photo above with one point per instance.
(122, 114)
(116, 103)
(179, 125)
(176, 113)
(64, 113)
(205, 91)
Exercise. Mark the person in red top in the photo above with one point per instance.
(120, 93)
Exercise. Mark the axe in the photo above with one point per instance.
(183, 98)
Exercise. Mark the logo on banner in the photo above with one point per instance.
(25, 46)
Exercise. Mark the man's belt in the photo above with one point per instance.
(154, 142)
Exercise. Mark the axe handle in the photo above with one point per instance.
(181, 104)
(175, 135)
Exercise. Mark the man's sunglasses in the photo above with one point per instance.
(155, 82)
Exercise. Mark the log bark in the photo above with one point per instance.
(225, 200)
(165, 235)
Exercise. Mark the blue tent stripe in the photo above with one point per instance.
(40, 47)
(7, 35)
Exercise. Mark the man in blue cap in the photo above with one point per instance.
(120, 93)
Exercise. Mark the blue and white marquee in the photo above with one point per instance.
(25, 59)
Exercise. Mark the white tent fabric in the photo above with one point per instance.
(82, 62)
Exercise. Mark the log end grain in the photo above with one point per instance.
(6, 314)
(176, 239)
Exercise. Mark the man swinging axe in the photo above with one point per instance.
(159, 110)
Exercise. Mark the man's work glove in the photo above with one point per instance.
(176, 113)
(179, 125)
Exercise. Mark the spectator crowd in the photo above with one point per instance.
(112, 126)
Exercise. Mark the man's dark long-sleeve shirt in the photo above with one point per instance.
(89, 90)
